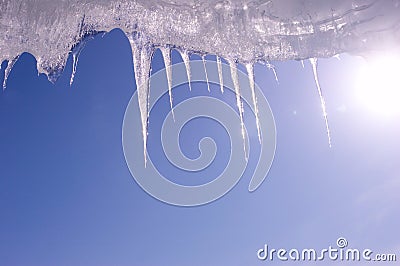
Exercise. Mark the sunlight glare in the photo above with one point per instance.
(378, 85)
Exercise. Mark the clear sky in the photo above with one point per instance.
(67, 196)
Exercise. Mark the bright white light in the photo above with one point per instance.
(378, 85)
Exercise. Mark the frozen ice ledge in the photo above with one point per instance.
(243, 31)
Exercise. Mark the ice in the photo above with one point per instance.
(186, 61)
(142, 53)
(76, 51)
(275, 74)
(250, 73)
(8, 69)
(239, 103)
(313, 62)
(166, 53)
(221, 78)
(203, 58)
(75, 58)
(248, 31)
(257, 30)
(272, 68)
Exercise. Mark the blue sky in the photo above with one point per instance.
(67, 196)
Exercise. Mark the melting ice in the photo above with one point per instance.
(239, 31)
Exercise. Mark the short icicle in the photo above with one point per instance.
(166, 53)
(203, 58)
(239, 103)
(75, 58)
(272, 68)
(274, 71)
(221, 78)
(186, 61)
(250, 73)
(313, 62)
(142, 54)
(7, 71)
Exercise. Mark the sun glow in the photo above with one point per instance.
(378, 85)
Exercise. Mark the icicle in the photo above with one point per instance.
(239, 102)
(142, 54)
(250, 73)
(186, 60)
(205, 70)
(166, 53)
(302, 63)
(313, 62)
(7, 71)
(272, 67)
(221, 78)
(75, 58)
(273, 70)
(76, 52)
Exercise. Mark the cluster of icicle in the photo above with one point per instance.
(238, 31)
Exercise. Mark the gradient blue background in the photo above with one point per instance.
(67, 197)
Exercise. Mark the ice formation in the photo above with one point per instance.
(239, 103)
(313, 62)
(186, 61)
(166, 53)
(221, 78)
(203, 58)
(238, 31)
(250, 73)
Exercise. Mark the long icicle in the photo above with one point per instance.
(166, 53)
(250, 73)
(239, 102)
(186, 61)
(221, 78)
(142, 54)
(313, 62)
(203, 58)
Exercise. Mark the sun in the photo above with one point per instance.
(378, 85)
